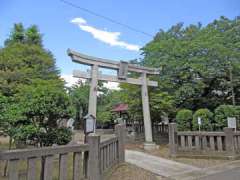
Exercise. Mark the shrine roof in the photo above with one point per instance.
(120, 107)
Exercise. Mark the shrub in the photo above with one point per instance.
(60, 136)
(184, 119)
(206, 119)
(222, 112)
(64, 136)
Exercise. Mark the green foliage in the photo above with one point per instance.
(162, 104)
(60, 136)
(206, 119)
(3, 104)
(17, 35)
(24, 132)
(64, 136)
(32, 95)
(21, 64)
(104, 116)
(29, 36)
(184, 119)
(196, 63)
(33, 36)
(106, 100)
(223, 112)
(131, 95)
(44, 102)
(10, 117)
(79, 99)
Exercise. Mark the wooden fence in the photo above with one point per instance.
(90, 160)
(159, 130)
(224, 144)
(156, 127)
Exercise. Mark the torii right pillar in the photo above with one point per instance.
(149, 144)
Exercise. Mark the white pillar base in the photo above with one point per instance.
(148, 146)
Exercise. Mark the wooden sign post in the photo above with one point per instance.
(122, 68)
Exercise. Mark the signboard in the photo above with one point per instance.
(199, 121)
(232, 122)
(123, 70)
(89, 124)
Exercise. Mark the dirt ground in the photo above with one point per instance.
(3, 142)
(129, 172)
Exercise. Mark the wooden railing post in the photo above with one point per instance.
(173, 139)
(120, 131)
(93, 168)
(229, 140)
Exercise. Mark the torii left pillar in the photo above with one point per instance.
(92, 104)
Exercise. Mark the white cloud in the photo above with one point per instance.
(112, 85)
(70, 81)
(108, 37)
(78, 21)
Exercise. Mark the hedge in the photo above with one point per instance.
(184, 120)
(206, 119)
(222, 112)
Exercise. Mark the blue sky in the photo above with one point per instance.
(59, 33)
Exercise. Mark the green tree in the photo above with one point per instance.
(198, 63)
(106, 101)
(33, 36)
(30, 81)
(131, 95)
(222, 112)
(184, 120)
(17, 35)
(21, 63)
(162, 104)
(44, 103)
(79, 95)
(206, 119)
(33, 96)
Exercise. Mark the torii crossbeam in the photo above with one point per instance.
(122, 68)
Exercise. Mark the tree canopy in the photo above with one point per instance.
(33, 97)
(200, 67)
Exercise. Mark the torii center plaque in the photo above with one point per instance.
(122, 68)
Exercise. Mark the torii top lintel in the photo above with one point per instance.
(106, 63)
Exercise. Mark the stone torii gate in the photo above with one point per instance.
(122, 68)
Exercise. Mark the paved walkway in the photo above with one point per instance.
(157, 165)
(179, 171)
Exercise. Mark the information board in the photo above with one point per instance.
(232, 122)
(199, 121)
